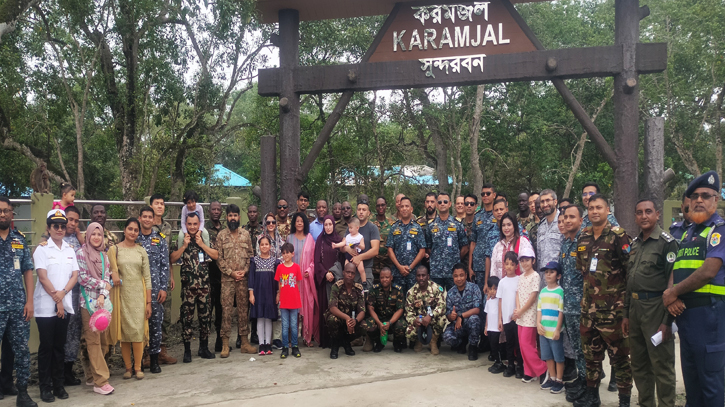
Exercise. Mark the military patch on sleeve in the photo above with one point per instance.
(715, 239)
(440, 288)
(625, 248)
(479, 222)
(563, 255)
(397, 287)
(671, 257)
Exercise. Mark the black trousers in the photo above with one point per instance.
(7, 363)
(215, 295)
(493, 338)
(512, 344)
(52, 333)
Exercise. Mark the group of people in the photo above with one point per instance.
(548, 289)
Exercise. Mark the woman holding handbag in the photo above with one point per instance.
(95, 281)
(131, 276)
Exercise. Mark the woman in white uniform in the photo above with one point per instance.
(57, 269)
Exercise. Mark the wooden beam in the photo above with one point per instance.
(528, 66)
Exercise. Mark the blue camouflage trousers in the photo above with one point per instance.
(19, 334)
(155, 325)
(571, 324)
(470, 329)
(75, 328)
(405, 283)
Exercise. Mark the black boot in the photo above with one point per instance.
(24, 399)
(462, 348)
(590, 398)
(70, 377)
(187, 352)
(623, 400)
(510, 370)
(217, 344)
(204, 351)
(575, 390)
(347, 346)
(377, 344)
(398, 345)
(60, 392)
(239, 341)
(612, 381)
(570, 372)
(472, 353)
(334, 348)
(519, 372)
(154, 367)
(46, 395)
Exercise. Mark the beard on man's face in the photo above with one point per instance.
(700, 216)
(5, 225)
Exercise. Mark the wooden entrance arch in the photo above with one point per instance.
(453, 43)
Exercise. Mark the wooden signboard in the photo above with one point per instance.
(429, 31)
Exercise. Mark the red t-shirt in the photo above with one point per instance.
(289, 291)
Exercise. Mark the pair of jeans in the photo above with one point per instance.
(289, 324)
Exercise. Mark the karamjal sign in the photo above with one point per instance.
(451, 38)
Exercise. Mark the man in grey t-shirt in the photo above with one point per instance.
(371, 236)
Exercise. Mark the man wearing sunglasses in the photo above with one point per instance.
(16, 308)
(697, 295)
(284, 223)
(488, 197)
(445, 237)
(677, 229)
(341, 224)
(592, 188)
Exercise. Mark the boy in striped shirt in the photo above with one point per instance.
(549, 319)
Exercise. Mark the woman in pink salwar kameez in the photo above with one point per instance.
(304, 245)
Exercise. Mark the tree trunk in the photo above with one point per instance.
(654, 161)
(474, 133)
(718, 131)
(10, 12)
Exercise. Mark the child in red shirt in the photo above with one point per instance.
(289, 275)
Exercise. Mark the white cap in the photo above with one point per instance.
(526, 252)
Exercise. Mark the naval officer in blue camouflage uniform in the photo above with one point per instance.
(158, 252)
(697, 296)
(406, 246)
(463, 304)
(16, 302)
(445, 238)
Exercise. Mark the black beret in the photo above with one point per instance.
(706, 180)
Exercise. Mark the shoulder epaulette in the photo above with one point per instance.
(667, 237)
(398, 287)
(163, 236)
(719, 223)
(618, 230)
(358, 286)
(43, 243)
(20, 233)
(376, 285)
(339, 283)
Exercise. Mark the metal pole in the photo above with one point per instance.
(626, 114)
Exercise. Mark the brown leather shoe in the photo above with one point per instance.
(368, 347)
(434, 345)
(165, 358)
(146, 361)
(246, 346)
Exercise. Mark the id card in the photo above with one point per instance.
(16, 262)
(201, 257)
(593, 265)
(450, 241)
(409, 246)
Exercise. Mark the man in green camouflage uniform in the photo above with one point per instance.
(235, 249)
(425, 295)
(602, 257)
(385, 305)
(650, 265)
(194, 286)
(345, 316)
(383, 221)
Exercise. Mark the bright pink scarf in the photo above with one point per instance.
(310, 308)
